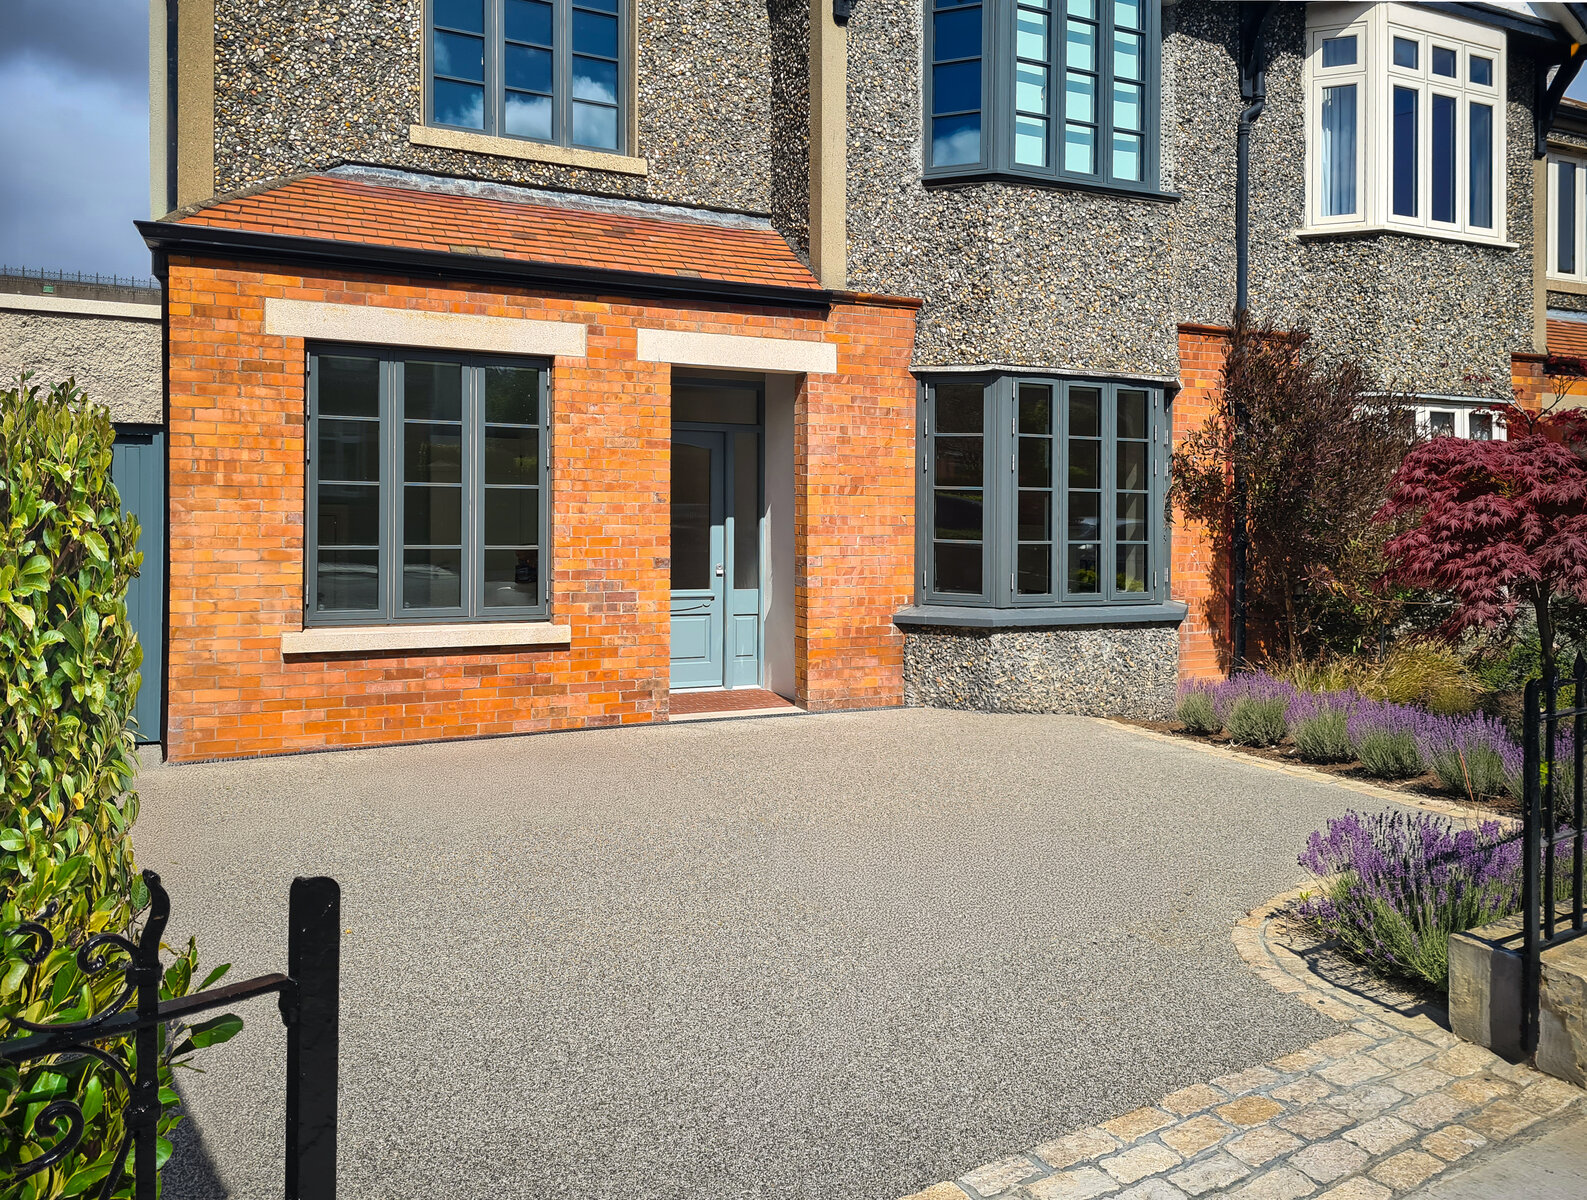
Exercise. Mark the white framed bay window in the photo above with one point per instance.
(1567, 214)
(1405, 127)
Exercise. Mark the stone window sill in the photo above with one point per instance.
(504, 147)
(1169, 612)
(389, 639)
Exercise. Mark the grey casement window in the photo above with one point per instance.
(428, 488)
(1040, 491)
(545, 70)
(1057, 90)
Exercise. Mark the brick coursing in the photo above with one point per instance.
(1195, 568)
(236, 437)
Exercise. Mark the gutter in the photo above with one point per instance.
(215, 242)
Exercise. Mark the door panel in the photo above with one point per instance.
(743, 597)
(698, 559)
(137, 467)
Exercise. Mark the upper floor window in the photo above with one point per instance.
(1064, 90)
(1037, 491)
(1567, 179)
(547, 70)
(1406, 124)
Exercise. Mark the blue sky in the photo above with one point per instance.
(74, 81)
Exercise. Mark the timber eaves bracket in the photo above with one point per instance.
(1548, 94)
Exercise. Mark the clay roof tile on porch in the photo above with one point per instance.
(506, 223)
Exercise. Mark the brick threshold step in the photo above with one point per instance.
(722, 703)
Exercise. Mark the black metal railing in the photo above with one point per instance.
(85, 277)
(309, 999)
(1552, 823)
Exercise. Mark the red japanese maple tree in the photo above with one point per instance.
(1498, 524)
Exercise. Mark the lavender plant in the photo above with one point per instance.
(1197, 713)
(1320, 728)
(1471, 756)
(1384, 737)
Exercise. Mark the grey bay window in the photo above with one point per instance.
(545, 70)
(1058, 90)
(1042, 492)
(427, 488)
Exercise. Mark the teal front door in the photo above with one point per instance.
(716, 518)
(137, 467)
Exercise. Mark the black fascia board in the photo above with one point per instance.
(1513, 22)
(247, 244)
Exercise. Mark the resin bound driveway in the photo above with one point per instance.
(843, 956)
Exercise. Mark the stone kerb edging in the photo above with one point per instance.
(1375, 1111)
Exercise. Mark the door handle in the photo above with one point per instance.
(719, 571)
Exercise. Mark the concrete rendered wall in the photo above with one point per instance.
(116, 360)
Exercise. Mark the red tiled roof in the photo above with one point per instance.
(345, 210)
(1567, 339)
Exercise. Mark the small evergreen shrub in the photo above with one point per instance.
(1259, 720)
(69, 673)
(1323, 736)
(1389, 754)
(1197, 713)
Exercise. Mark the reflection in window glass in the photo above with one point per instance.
(956, 84)
(1405, 133)
(1339, 51)
(1565, 218)
(1339, 150)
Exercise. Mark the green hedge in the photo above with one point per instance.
(69, 666)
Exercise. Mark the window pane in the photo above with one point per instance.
(1085, 464)
(1127, 106)
(1080, 149)
(1127, 13)
(955, 140)
(1481, 71)
(746, 510)
(528, 116)
(1085, 412)
(1339, 151)
(349, 514)
(1131, 575)
(512, 395)
(1080, 93)
(957, 568)
(348, 450)
(1083, 8)
(1443, 158)
(1481, 166)
(433, 454)
(959, 461)
(461, 104)
(1034, 570)
(691, 517)
(1405, 53)
(1035, 462)
(461, 14)
(512, 455)
(528, 21)
(960, 407)
(1127, 156)
(432, 516)
(594, 34)
(530, 70)
(1405, 133)
(1441, 424)
(1565, 219)
(432, 391)
(593, 126)
(1132, 414)
(460, 57)
(432, 578)
(593, 79)
(1445, 62)
(512, 516)
(349, 387)
(1084, 575)
(1481, 426)
(1127, 55)
(958, 33)
(956, 87)
(716, 405)
(1030, 141)
(1082, 55)
(1085, 516)
(1030, 88)
(1339, 51)
(347, 581)
(1035, 408)
(1035, 516)
(1030, 37)
(958, 516)
(1132, 466)
(512, 578)
(1131, 519)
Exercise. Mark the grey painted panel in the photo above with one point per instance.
(138, 468)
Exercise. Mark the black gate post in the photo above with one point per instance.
(1531, 816)
(313, 962)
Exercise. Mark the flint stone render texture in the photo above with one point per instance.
(116, 360)
(1067, 279)
(1129, 671)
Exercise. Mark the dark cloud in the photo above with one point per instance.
(106, 41)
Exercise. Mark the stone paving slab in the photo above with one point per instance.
(1387, 1106)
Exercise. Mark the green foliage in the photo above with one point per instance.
(1197, 713)
(1390, 754)
(1323, 737)
(1424, 672)
(1477, 771)
(69, 667)
(1258, 721)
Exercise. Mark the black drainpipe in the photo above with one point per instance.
(1253, 90)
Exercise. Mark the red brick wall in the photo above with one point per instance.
(235, 435)
(1203, 636)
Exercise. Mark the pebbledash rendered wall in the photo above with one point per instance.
(1093, 283)
(236, 533)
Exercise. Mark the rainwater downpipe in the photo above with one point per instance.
(1253, 87)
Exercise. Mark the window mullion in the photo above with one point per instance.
(389, 560)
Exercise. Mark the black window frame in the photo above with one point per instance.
(391, 418)
(999, 66)
(1001, 486)
(562, 99)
